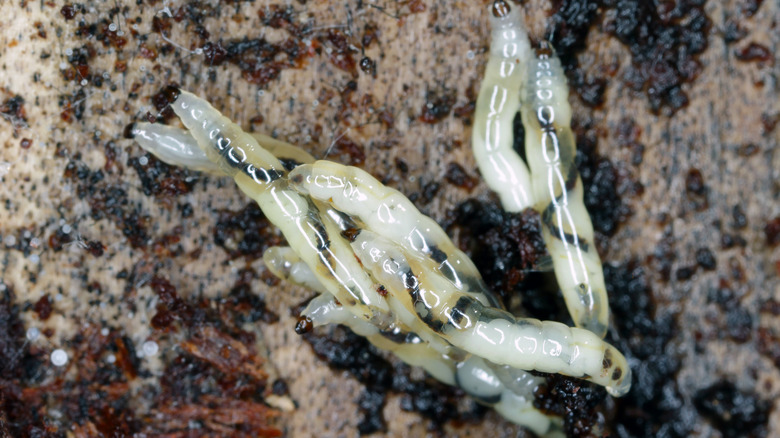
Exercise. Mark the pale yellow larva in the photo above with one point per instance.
(566, 227)
(517, 79)
(498, 102)
(392, 275)
(443, 296)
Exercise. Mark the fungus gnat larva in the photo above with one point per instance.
(558, 193)
(391, 274)
(554, 188)
(436, 312)
(498, 102)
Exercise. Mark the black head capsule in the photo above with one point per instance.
(350, 234)
(545, 50)
(167, 95)
(304, 325)
(500, 9)
(129, 131)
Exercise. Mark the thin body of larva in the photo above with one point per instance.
(508, 390)
(179, 148)
(389, 213)
(498, 102)
(453, 313)
(566, 227)
(174, 146)
(554, 188)
(259, 174)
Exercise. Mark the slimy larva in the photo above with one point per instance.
(405, 287)
(451, 302)
(498, 102)
(392, 274)
(558, 193)
(554, 188)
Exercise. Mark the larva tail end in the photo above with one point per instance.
(593, 323)
(542, 264)
(622, 383)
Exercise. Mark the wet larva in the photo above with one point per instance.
(450, 302)
(498, 102)
(553, 188)
(392, 275)
(558, 194)
(435, 311)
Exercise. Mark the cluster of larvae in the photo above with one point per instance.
(391, 274)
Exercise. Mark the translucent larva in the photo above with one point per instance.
(387, 271)
(566, 226)
(260, 175)
(554, 188)
(392, 274)
(361, 196)
(508, 390)
(498, 102)
(457, 314)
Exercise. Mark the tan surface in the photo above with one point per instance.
(415, 53)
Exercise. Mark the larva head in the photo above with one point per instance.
(500, 9)
(507, 25)
(545, 50)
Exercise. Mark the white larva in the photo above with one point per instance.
(449, 307)
(260, 175)
(175, 147)
(498, 102)
(566, 227)
(508, 390)
(392, 275)
(389, 213)
(554, 188)
(449, 286)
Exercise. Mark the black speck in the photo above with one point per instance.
(733, 412)
(705, 259)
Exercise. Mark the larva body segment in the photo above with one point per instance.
(511, 392)
(498, 102)
(454, 313)
(260, 175)
(566, 227)
(226, 144)
(388, 272)
(386, 263)
(390, 214)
